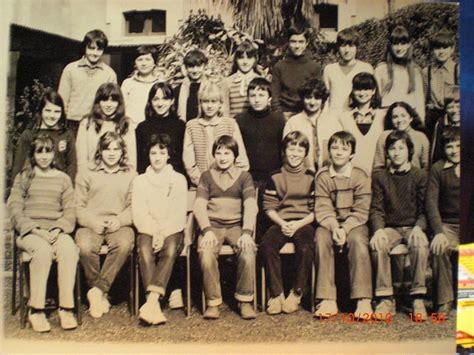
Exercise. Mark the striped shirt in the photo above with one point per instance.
(47, 204)
(235, 92)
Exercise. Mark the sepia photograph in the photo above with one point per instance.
(235, 176)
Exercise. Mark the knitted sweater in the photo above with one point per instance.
(421, 150)
(399, 90)
(365, 143)
(79, 83)
(235, 92)
(342, 200)
(159, 202)
(101, 194)
(443, 196)
(199, 137)
(398, 199)
(135, 96)
(47, 204)
(64, 152)
(223, 206)
(87, 139)
(291, 194)
(288, 75)
(339, 83)
(170, 125)
(262, 133)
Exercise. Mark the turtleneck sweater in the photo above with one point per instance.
(170, 125)
(290, 192)
(288, 75)
(262, 132)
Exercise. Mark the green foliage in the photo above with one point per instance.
(421, 20)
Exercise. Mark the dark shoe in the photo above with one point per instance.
(446, 310)
(247, 311)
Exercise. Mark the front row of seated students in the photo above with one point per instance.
(107, 203)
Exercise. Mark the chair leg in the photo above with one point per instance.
(78, 294)
(131, 293)
(137, 285)
(264, 286)
(188, 282)
(255, 306)
(22, 298)
(313, 287)
(203, 296)
(14, 280)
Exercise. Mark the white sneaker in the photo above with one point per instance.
(151, 313)
(67, 319)
(105, 304)
(275, 305)
(176, 299)
(364, 309)
(94, 296)
(39, 322)
(291, 303)
(326, 309)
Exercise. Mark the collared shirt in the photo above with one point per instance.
(436, 79)
(347, 171)
(225, 178)
(363, 118)
(83, 62)
(403, 169)
(107, 170)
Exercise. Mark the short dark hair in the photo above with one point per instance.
(450, 134)
(248, 48)
(194, 58)
(227, 142)
(260, 83)
(144, 50)
(162, 140)
(345, 137)
(415, 123)
(442, 39)
(395, 136)
(297, 30)
(314, 87)
(347, 37)
(295, 138)
(95, 36)
(365, 81)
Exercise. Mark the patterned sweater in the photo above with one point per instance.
(342, 199)
(199, 137)
(291, 194)
(443, 196)
(226, 199)
(398, 199)
(47, 204)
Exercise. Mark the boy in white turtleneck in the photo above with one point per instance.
(159, 213)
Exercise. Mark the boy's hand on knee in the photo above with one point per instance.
(113, 224)
(417, 237)
(287, 229)
(54, 234)
(246, 243)
(379, 241)
(439, 244)
(208, 240)
(98, 226)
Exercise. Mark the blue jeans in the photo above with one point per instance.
(208, 258)
(120, 244)
(155, 276)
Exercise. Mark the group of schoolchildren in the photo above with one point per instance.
(331, 160)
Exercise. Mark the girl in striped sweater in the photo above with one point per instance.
(41, 205)
(243, 71)
(201, 133)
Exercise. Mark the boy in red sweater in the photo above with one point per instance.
(397, 216)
